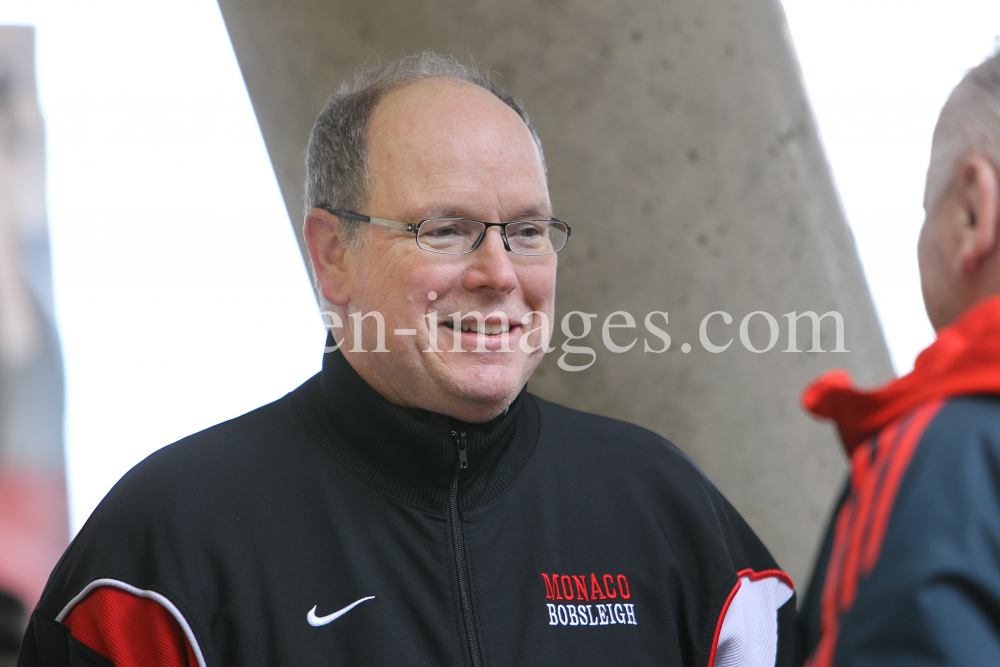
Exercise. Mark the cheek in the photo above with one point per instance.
(932, 276)
(929, 255)
(922, 241)
(540, 296)
(441, 279)
(539, 285)
(922, 250)
(401, 280)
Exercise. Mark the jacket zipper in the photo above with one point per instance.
(459, 547)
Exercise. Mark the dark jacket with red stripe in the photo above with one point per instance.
(909, 573)
(332, 527)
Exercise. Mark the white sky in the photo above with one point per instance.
(181, 297)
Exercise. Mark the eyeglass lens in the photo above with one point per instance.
(455, 236)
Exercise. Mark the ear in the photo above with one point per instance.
(324, 236)
(979, 200)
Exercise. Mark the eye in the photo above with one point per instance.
(449, 235)
(526, 230)
(441, 232)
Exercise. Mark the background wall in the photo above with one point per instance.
(683, 151)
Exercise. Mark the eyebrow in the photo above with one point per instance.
(432, 212)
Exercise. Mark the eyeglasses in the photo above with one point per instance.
(458, 236)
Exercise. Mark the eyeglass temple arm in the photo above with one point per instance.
(403, 226)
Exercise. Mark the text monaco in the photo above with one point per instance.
(614, 332)
(581, 588)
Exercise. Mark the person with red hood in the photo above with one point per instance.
(909, 572)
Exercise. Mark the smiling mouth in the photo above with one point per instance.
(487, 328)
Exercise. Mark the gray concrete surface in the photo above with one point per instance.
(683, 151)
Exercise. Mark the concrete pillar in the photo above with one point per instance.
(33, 513)
(683, 151)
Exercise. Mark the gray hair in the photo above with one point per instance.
(336, 159)
(969, 124)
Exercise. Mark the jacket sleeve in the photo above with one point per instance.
(754, 614)
(934, 595)
(757, 622)
(108, 627)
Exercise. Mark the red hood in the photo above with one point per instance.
(965, 359)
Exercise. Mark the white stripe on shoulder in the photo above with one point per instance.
(152, 595)
(749, 636)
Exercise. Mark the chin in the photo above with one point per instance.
(489, 385)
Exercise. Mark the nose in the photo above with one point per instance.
(490, 266)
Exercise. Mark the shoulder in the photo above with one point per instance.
(641, 489)
(937, 572)
(241, 435)
(222, 460)
(956, 463)
(616, 451)
(628, 441)
(627, 466)
(202, 466)
(966, 423)
(945, 512)
(200, 490)
(955, 468)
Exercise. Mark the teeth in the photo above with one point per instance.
(489, 328)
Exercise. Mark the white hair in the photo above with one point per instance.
(969, 124)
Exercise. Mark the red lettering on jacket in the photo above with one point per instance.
(567, 586)
(610, 590)
(623, 587)
(595, 588)
(551, 591)
(574, 587)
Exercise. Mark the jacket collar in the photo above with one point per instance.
(412, 454)
(965, 359)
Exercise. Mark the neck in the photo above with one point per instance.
(471, 411)
(409, 452)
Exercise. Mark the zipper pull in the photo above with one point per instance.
(463, 457)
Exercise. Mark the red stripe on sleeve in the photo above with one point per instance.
(130, 630)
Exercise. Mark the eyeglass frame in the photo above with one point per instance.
(414, 228)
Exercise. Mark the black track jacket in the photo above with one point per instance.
(334, 528)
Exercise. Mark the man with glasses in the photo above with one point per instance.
(412, 504)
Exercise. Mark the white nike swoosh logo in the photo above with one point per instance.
(317, 621)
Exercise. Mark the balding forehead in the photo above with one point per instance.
(404, 113)
(408, 100)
